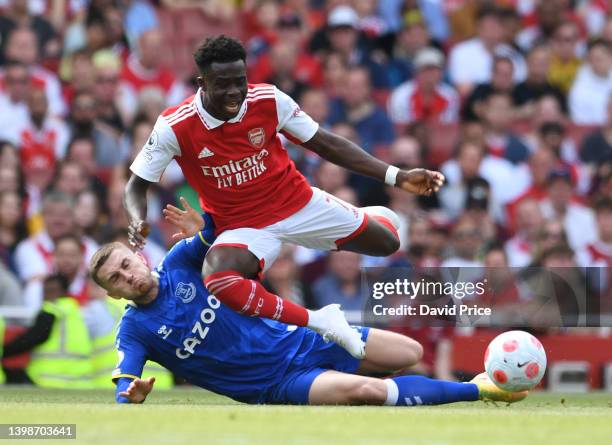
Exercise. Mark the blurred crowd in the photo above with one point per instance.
(510, 99)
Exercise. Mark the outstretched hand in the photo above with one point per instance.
(188, 221)
(138, 390)
(420, 181)
(138, 230)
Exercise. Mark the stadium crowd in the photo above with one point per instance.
(510, 99)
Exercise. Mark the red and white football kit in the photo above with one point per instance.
(244, 176)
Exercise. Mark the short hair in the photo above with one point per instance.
(100, 257)
(59, 278)
(56, 196)
(489, 11)
(220, 49)
(599, 42)
(70, 237)
(602, 204)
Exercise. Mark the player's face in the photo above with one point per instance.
(226, 88)
(126, 275)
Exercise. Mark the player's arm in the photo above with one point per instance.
(300, 128)
(346, 154)
(135, 203)
(148, 166)
(132, 356)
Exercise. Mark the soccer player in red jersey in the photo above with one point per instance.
(226, 140)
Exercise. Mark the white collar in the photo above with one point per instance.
(212, 122)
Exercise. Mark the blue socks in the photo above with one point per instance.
(412, 390)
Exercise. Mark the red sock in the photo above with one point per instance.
(249, 297)
(385, 222)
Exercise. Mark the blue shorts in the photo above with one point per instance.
(313, 358)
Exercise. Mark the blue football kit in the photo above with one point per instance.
(190, 332)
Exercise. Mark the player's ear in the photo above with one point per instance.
(201, 82)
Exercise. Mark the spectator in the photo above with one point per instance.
(341, 284)
(501, 141)
(599, 252)
(536, 85)
(466, 241)
(470, 62)
(521, 247)
(306, 70)
(143, 69)
(90, 217)
(111, 147)
(34, 255)
(334, 74)
(597, 146)
(426, 98)
(112, 105)
(21, 47)
(13, 228)
(68, 260)
(592, 87)
(13, 99)
(41, 132)
(70, 178)
(564, 63)
(283, 61)
(18, 15)
(342, 36)
(357, 108)
(549, 14)
(469, 163)
(578, 220)
(412, 38)
(501, 81)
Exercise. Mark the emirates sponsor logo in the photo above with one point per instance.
(237, 172)
(257, 137)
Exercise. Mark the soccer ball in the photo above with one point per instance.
(515, 361)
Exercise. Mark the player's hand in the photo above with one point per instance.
(420, 181)
(138, 390)
(138, 230)
(188, 221)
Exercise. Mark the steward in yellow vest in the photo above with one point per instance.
(58, 341)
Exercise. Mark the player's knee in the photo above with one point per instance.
(389, 244)
(370, 391)
(409, 352)
(221, 259)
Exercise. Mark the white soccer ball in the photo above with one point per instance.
(515, 361)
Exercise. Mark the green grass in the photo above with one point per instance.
(197, 417)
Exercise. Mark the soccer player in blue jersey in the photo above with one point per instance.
(175, 321)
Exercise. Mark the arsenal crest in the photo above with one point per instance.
(257, 137)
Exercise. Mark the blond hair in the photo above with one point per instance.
(100, 257)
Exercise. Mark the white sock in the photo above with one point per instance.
(392, 392)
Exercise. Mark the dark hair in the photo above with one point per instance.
(599, 42)
(220, 49)
(551, 128)
(60, 278)
(604, 203)
(489, 11)
(70, 237)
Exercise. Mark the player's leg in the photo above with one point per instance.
(234, 261)
(379, 237)
(389, 352)
(329, 223)
(337, 388)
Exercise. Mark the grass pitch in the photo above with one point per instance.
(198, 417)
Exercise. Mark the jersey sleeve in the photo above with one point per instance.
(292, 120)
(159, 150)
(131, 351)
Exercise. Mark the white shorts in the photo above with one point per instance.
(323, 224)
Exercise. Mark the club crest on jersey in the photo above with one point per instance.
(257, 137)
(186, 292)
